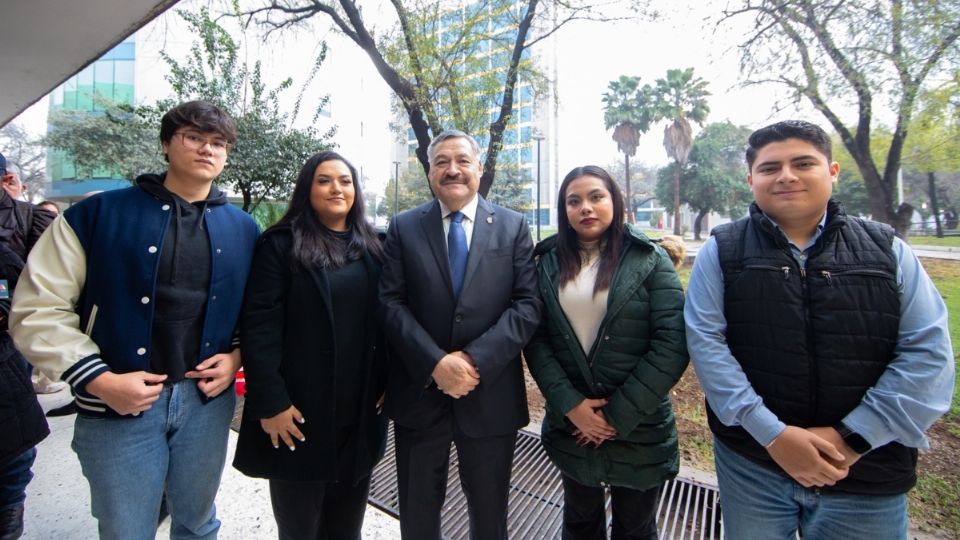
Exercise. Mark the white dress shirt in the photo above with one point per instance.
(469, 215)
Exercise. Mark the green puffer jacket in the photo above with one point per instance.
(640, 353)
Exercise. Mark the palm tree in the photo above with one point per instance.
(629, 110)
(680, 98)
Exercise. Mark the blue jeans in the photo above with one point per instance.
(177, 447)
(758, 502)
(14, 477)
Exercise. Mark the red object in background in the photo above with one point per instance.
(241, 386)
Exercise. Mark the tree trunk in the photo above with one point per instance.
(698, 223)
(881, 189)
(631, 215)
(247, 199)
(932, 187)
(676, 200)
(506, 106)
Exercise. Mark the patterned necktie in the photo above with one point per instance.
(457, 251)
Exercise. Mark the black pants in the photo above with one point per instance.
(319, 510)
(423, 457)
(585, 518)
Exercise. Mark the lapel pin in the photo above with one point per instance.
(489, 219)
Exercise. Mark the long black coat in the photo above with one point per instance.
(289, 353)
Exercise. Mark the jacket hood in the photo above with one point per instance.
(153, 184)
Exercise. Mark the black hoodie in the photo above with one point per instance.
(183, 281)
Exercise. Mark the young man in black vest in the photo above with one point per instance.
(823, 351)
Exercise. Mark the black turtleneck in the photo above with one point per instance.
(348, 295)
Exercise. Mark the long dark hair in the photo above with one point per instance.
(315, 245)
(611, 244)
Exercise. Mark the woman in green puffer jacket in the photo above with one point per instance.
(609, 349)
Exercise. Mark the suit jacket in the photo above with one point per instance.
(497, 313)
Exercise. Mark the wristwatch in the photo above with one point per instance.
(854, 440)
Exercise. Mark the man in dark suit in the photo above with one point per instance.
(459, 300)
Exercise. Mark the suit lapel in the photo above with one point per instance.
(482, 231)
(432, 223)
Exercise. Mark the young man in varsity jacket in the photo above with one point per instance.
(132, 297)
(823, 350)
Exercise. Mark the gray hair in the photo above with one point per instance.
(452, 134)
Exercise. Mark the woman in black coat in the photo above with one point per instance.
(313, 357)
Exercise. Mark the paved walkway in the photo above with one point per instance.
(58, 498)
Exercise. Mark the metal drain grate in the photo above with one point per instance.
(688, 508)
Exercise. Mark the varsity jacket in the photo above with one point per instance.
(84, 304)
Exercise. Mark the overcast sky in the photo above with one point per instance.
(590, 55)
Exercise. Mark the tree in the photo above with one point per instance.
(850, 188)
(934, 146)
(714, 177)
(268, 154)
(643, 182)
(432, 61)
(115, 140)
(629, 110)
(834, 53)
(513, 189)
(680, 99)
(414, 190)
(28, 155)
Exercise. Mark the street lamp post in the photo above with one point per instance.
(396, 188)
(537, 136)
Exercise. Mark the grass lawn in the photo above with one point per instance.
(946, 275)
(946, 241)
(935, 502)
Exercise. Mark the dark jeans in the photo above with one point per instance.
(319, 510)
(422, 466)
(585, 518)
(14, 477)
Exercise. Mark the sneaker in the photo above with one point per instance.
(11, 523)
(49, 388)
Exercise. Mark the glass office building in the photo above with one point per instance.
(519, 150)
(111, 77)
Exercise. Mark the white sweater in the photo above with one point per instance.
(584, 309)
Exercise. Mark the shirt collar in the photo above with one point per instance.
(469, 211)
(813, 239)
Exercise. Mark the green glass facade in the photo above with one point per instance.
(111, 77)
(518, 143)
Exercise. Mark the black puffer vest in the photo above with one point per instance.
(813, 340)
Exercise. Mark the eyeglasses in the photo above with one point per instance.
(194, 141)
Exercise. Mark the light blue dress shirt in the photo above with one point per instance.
(912, 393)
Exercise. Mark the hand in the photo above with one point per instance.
(456, 375)
(590, 422)
(833, 437)
(282, 426)
(127, 393)
(583, 440)
(803, 455)
(216, 373)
